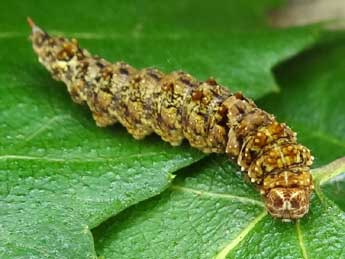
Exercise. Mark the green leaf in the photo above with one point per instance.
(60, 175)
(228, 40)
(209, 212)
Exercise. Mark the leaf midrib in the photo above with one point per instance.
(79, 160)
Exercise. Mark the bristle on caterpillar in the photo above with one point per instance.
(176, 106)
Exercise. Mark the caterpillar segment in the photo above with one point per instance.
(176, 106)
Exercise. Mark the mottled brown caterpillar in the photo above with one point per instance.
(177, 106)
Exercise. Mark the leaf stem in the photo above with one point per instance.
(327, 172)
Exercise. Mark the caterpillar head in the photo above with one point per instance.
(288, 203)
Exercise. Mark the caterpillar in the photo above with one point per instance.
(176, 106)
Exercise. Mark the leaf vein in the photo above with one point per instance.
(218, 195)
(99, 159)
(234, 242)
(45, 126)
(301, 241)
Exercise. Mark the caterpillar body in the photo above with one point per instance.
(176, 106)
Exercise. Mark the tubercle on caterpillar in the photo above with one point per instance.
(177, 106)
